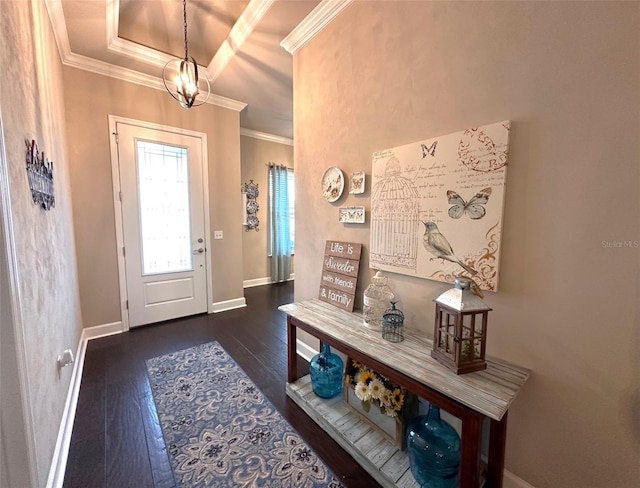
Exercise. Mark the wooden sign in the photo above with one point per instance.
(340, 274)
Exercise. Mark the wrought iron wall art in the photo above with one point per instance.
(251, 191)
(40, 175)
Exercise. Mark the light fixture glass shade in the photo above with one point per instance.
(180, 77)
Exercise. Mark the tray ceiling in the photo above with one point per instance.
(237, 43)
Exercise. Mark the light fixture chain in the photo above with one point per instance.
(186, 49)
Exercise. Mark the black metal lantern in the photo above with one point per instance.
(460, 333)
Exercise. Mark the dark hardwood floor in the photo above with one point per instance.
(117, 441)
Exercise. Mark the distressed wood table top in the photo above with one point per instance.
(489, 392)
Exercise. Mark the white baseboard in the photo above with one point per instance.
(262, 281)
(101, 330)
(256, 282)
(61, 452)
(512, 481)
(229, 305)
(304, 350)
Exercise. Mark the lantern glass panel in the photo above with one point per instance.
(466, 350)
(477, 348)
(466, 331)
(478, 326)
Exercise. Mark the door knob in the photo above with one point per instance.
(198, 251)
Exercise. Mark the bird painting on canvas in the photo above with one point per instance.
(438, 245)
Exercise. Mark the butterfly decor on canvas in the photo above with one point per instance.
(431, 150)
(474, 208)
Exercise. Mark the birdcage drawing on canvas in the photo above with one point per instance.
(437, 206)
(395, 218)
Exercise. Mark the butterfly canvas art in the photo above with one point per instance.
(429, 151)
(474, 208)
(437, 206)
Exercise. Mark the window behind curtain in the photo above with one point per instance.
(291, 186)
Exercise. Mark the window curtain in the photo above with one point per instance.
(279, 236)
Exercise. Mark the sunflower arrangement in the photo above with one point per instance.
(372, 388)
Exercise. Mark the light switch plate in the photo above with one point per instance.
(218, 234)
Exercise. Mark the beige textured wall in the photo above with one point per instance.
(31, 100)
(90, 99)
(568, 77)
(255, 154)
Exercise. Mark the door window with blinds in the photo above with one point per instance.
(163, 185)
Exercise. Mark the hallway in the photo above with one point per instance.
(117, 441)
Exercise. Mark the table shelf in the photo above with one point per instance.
(471, 397)
(386, 463)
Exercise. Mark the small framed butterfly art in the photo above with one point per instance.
(356, 183)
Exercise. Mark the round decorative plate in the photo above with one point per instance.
(252, 206)
(252, 190)
(332, 184)
(252, 222)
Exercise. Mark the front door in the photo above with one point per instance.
(162, 193)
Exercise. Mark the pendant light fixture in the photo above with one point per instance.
(180, 76)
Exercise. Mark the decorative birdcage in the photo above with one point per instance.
(395, 210)
(392, 324)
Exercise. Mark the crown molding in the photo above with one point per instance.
(316, 21)
(250, 17)
(244, 26)
(59, 26)
(78, 61)
(129, 49)
(133, 50)
(265, 137)
(100, 67)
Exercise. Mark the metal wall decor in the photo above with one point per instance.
(40, 175)
(251, 191)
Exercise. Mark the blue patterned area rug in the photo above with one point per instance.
(221, 431)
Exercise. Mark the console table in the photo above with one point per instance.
(470, 397)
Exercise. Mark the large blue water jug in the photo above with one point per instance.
(327, 370)
(434, 450)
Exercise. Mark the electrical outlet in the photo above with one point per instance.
(217, 234)
(65, 359)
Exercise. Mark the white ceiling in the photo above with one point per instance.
(237, 43)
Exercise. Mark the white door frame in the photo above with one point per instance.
(117, 206)
(15, 384)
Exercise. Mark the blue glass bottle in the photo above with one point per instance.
(327, 370)
(434, 450)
